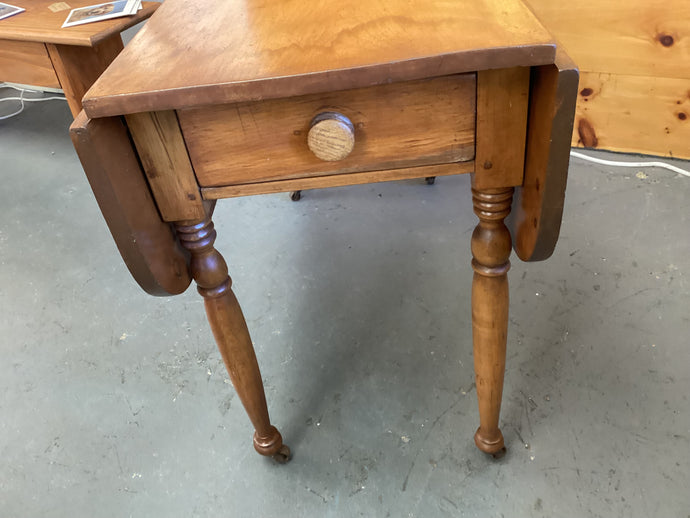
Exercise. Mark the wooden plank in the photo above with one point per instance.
(78, 67)
(399, 125)
(319, 182)
(147, 244)
(26, 63)
(196, 52)
(535, 220)
(646, 38)
(38, 23)
(636, 37)
(502, 100)
(633, 114)
(164, 157)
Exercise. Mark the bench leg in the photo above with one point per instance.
(230, 331)
(491, 246)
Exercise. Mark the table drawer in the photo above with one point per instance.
(26, 62)
(394, 126)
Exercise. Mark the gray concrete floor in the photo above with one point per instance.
(115, 403)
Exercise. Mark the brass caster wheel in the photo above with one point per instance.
(499, 454)
(430, 180)
(296, 195)
(283, 455)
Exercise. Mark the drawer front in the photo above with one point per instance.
(394, 126)
(26, 62)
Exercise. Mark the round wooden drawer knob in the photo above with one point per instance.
(331, 136)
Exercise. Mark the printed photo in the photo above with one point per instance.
(96, 13)
(7, 10)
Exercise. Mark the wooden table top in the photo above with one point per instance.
(39, 23)
(195, 52)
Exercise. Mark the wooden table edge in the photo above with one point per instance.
(98, 105)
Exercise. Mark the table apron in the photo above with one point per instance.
(28, 63)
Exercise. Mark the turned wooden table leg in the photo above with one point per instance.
(491, 246)
(230, 331)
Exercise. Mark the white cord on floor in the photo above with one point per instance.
(23, 100)
(629, 164)
(20, 110)
(30, 100)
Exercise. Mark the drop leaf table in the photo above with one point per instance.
(225, 98)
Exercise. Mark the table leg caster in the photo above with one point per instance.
(430, 180)
(296, 195)
(283, 455)
(499, 454)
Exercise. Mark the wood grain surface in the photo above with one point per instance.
(258, 49)
(635, 37)
(535, 220)
(164, 157)
(331, 136)
(147, 244)
(633, 114)
(633, 57)
(398, 125)
(26, 63)
(502, 102)
(38, 23)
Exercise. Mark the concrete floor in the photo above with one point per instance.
(115, 403)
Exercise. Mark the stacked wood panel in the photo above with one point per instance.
(634, 59)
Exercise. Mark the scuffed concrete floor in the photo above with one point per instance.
(115, 403)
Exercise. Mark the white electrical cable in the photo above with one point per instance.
(30, 100)
(22, 100)
(22, 89)
(7, 85)
(615, 163)
(20, 110)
